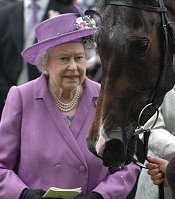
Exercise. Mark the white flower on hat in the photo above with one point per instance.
(85, 23)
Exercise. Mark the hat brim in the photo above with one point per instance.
(30, 53)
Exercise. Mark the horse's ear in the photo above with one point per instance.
(95, 15)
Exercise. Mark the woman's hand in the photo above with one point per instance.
(156, 169)
(33, 194)
(93, 195)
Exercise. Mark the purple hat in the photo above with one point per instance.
(58, 30)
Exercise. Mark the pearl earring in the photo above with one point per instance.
(46, 73)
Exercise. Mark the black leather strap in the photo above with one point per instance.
(137, 6)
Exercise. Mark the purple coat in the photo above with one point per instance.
(39, 150)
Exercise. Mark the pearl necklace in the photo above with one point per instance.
(63, 106)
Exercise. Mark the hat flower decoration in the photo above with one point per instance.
(86, 22)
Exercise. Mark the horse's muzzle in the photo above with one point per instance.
(114, 153)
(111, 148)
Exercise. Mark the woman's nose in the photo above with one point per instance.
(72, 65)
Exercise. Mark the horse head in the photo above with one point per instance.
(137, 59)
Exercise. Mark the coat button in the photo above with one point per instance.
(58, 168)
(82, 169)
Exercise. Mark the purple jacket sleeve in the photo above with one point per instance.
(121, 182)
(9, 148)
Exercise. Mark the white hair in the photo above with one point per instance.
(41, 60)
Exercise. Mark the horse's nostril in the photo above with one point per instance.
(114, 153)
(115, 146)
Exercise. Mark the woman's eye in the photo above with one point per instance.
(79, 58)
(63, 59)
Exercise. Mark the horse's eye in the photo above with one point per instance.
(140, 46)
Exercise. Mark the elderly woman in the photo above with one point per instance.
(45, 121)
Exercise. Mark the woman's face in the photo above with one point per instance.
(67, 65)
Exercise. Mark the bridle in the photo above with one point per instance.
(140, 6)
(169, 44)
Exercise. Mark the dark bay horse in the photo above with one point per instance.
(136, 46)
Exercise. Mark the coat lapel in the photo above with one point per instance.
(86, 107)
(41, 91)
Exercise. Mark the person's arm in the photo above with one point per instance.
(11, 185)
(120, 183)
(161, 141)
(170, 174)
